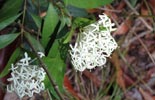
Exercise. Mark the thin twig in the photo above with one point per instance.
(46, 70)
(127, 43)
(146, 49)
(23, 18)
(135, 74)
(149, 54)
(148, 26)
(150, 12)
(32, 32)
(111, 10)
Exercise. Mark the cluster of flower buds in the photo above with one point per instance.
(26, 79)
(93, 45)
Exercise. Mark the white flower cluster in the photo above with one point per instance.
(26, 79)
(93, 45)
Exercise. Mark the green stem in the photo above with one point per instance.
(23, 19)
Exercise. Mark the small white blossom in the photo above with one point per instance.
(41, 54)
(94, 44)
(24, 61)
(95, 27)
(26, 79)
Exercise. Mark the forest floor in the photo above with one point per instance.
(129, 73)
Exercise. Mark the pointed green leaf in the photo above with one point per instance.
(54, 49)
(51, 20)
(7, 39)
(36, 44)
(87, 3)
(9, 12)
(50, 88)
(8, 21)
(37, 20)
(82, 22)
(78, 22)
(77, 12)
(10, 8)
(133, 2)
(12, 59)
(56, 68)
(68, 37)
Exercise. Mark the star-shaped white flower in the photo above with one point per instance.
(96, 27)
(41, 54)
(25, 60)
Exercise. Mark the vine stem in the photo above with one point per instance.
(23, 18)
(55, 86)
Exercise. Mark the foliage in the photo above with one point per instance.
(86, 4)
(48, 26)
(7, 39)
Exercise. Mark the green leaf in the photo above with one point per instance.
(50, 88)
(9, 12)
(63, 23)
(8, 21)
(116, 94)
(63, 29)
(37, 20)
(56, 68)
(36, 44)
(77, 12)
(10, 8)
(7, 39)
(13, 58)
(78, 22)
(133, 2)
(59, 49)
(54, 51)
(51, 20)
(68, 37)
(82, 22)
(87, 3)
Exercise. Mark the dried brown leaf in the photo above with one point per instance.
(144, 11)
(121, 5)
(94, 10)
(110, 13)
(146, 95)
(119, 73)
(124, 27)
(92, 77)
(152, 2)
(128, 80)
(68, 86)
